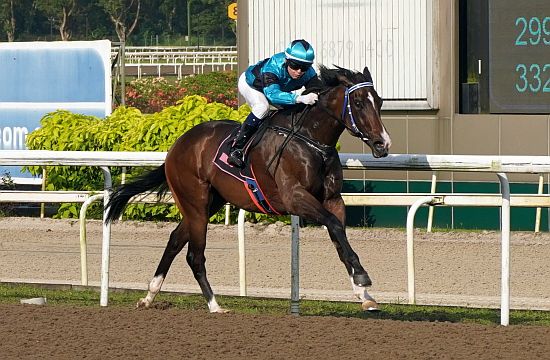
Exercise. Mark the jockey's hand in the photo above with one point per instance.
(308, 99)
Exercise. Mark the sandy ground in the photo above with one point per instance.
(64, 332)
(457, 268)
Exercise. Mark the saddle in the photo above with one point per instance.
(246, 174)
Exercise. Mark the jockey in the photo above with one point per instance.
(271, 81)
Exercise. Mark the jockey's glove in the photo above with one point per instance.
(308, 99)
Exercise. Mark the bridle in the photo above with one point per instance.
(347, 105)
(324, 150)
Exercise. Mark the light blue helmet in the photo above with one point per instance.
(300, 50)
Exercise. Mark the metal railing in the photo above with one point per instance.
(460, 163)
(159, 61)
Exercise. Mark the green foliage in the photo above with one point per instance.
(6, 183)
(154, 94)
(124, 14)
(127, 129)
(160, 22)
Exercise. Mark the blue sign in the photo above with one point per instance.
(41, 77)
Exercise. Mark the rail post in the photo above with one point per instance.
(295, 266)
(106, 243)
(505, 263)
(242, 253)
(83, 240)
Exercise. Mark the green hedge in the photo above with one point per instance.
(127, 129)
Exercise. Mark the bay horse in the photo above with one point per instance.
(295, 161)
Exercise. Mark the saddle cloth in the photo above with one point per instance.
(244, 175)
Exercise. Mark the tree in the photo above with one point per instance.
(7, 19)
(60, 12)
(168, 8)
(124, 14)
(210, 20)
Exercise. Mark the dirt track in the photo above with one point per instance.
(451, 268)
(57, 332)
(457, 267)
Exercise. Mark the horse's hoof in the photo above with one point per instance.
(142, 304)
(362, 279)
(370, 306)
(220, 311)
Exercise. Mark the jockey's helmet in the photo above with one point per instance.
(301, 51)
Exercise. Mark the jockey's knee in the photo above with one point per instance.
(260, 110)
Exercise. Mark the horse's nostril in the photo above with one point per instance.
(379, 145)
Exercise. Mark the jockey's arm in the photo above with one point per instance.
(276, 96)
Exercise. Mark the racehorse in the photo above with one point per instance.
(295, 161)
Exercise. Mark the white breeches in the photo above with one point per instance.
(254, 98)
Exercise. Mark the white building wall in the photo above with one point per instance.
(392, 37)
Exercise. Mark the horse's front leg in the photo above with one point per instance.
(300, 202)
(336, 206)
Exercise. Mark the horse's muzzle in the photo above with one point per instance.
(379, 149)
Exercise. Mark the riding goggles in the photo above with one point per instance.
(297, 65)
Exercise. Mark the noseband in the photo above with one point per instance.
(347, 104)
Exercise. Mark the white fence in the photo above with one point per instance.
(471, 163)
(157, 61)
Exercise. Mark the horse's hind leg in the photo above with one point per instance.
(196, 214)
(196, 261)
(178, 238)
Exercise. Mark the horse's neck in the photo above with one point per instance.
(322, 126)
(316, 123)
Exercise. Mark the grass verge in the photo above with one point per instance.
(13, 293)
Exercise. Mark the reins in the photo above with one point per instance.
(290, 133)
(297, 125)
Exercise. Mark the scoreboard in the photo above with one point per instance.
(519, 56)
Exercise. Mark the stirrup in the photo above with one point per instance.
(236, 158)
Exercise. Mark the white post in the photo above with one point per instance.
(83, 241)
(242, 253)
(227, 213)
(42, 205)
(431, 208)
(505, 264)
(105, 248)
(295, 266)
(122, 182)
(539, 210)
(410, 245)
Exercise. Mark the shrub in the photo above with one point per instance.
(127, 129)
(151, 95)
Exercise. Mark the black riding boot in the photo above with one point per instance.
(236, 153)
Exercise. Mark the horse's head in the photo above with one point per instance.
(356, 105)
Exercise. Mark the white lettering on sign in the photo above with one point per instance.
(13, 138)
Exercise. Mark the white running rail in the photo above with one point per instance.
(463, 163)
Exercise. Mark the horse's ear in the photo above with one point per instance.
(367, 74)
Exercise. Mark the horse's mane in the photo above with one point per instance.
(331, 77)
(336, 76)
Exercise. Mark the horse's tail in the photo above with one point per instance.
(149, 181)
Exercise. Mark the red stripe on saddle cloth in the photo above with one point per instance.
(220, 160)
(271, 209)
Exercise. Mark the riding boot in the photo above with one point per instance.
(236, 152)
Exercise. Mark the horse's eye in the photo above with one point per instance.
(358, 103)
